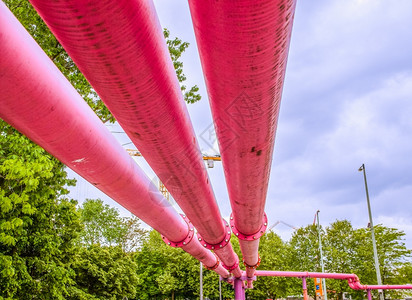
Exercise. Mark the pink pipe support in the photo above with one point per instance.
(304, 289)
(120, 48)
(243, 48)
(38, 101)
(239, 289)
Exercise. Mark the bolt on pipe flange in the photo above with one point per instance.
(186, 240)
(250, 237)
(220, 245)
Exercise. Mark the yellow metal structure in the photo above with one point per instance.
(135, 152)
(210, 163)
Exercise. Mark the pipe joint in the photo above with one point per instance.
(253, 266)
(250, 237)
(220, 245)
(215, 265)
(231, 268)
(186, 240)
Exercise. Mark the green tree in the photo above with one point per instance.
(349, 250)
(165, 271)
(103, 273)
(341, 245)
(103, 225)
(304, 255)
(176, 49)
(392, 253)
(38, 225)
(134, 235)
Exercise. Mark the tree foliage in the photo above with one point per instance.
(176, 48)
(104, 226)
(38, 225)
(103, 273)
(163, 270)
(349, 250)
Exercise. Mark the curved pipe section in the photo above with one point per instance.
(39, 102)
(120, 48)
(243, 48)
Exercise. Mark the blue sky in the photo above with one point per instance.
(347, 100)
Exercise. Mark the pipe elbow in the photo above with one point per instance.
(354, 283)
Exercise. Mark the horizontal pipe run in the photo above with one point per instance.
(352, 279)
(38, 101)
(120, 48)
(243, 54)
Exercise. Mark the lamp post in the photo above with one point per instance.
(321, 259)
(375, 251)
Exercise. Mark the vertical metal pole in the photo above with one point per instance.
(305, 289)
(220, 288)
(321, 259)
(375, 251)
(201, 282)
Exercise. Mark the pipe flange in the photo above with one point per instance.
(230, 269)
(186, 240)
(220, 245)
(252, 266)
(215, 265)
(250, 237)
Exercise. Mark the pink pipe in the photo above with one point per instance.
(119, 47)
(352, 279)
(243, 48)
(39, 102)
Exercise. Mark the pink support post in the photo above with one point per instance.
(248, 40)
(38, 101)
(239, 289)
(304, 289)
(120, 48)
(369, 295)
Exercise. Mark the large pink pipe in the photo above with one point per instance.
(119, 47)
(38, 101)
(243, 48)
